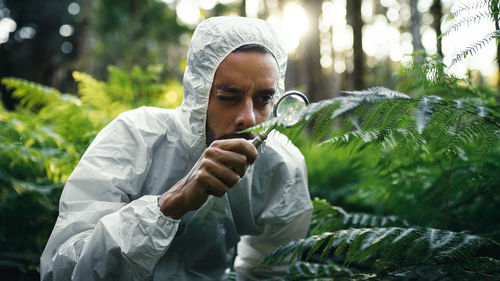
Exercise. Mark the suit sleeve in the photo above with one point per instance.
(101, 233)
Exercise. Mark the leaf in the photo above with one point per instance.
(425, 110)
(393, 247)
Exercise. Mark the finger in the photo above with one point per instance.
(238, 145)
(229, 176)
(213, 185)
(234, 161)
(237, 162)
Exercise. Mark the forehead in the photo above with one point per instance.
(248, 65)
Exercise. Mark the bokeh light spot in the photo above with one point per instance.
(66, 30)
(7, 25)
(171, 97)
(326, 61)
(66, 47)
(293, 24)
(73, 8)
(188, 12)
(27, 32)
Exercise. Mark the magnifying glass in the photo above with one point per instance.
(289, 107)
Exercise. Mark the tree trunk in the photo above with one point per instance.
(86, 38)
(243, 8)
(497, 27)
(437, 15)
(415, 26)
(495, 12)
(316, 88)
(264, 14)
(356, 22)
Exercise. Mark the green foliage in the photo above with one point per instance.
(383, 251)
(60, 113)
(34, 160)
(470, 13)
(125, 90)
(443, 174)
(330, 218)
(130, 33)
(42, 141)
(326, 271)
(327, 167)
(392, 247)
(322, 115)
(430, 157)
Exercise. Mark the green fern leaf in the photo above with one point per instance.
(475, 47)
(330, 218)
(33, 96)
(467, 7)
(425, 111)
(407, 246)
(313, 271)
(377, 92)
(465, 21)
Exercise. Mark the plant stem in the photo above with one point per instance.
(448, 180)
(447, 196)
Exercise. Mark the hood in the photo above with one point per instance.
(213, 40)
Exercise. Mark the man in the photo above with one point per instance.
(170, 194)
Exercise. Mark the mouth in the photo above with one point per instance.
(235, 135)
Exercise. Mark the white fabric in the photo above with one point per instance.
(110, 226)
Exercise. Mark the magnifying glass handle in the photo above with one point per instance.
(257, 142)
(261, 137)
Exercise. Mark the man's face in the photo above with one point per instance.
(242, 94)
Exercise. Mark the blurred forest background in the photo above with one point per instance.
(69, 67)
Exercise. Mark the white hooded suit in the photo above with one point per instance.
(110, 226)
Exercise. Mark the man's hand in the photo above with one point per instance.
(220, 167)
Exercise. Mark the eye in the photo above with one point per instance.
(265, 99)
(226, 98)
(228, 94)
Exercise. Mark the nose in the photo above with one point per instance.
(246, 116)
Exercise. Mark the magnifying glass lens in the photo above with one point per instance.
(289, 108)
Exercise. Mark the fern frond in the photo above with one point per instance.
(486, 266)
(443, 120)
(33, 96)
(386, 120)
(468, 6)
(331, 218)
(477, 13)
(451, 128)
(92, 91)
(328, 272)
(309, 270)
(425, 111)
(392, 247)
(380, 125)
(323, 121)
(378, 92)
(468, 20)
(386, 139)
(475, 47)
(61, 113)
(323, 114)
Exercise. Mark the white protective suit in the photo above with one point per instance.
(110, 226)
